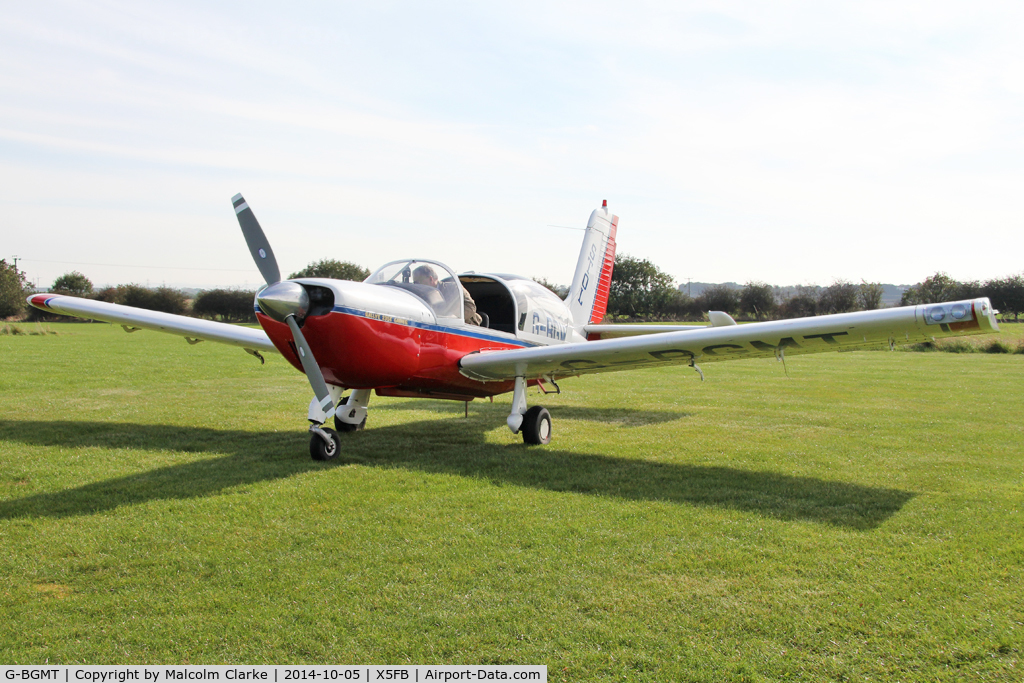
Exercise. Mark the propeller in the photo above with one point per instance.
(285, 302)
(313, 374)
(259, 247)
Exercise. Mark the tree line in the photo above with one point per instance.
(641, 291)
(225, 305)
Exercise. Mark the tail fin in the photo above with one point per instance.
(588, 296)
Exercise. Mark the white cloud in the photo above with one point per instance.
(737, 140)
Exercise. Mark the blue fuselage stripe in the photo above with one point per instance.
(447, 329)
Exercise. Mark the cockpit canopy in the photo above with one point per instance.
(434, 283)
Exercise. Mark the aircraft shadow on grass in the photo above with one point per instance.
(610, 416)
(447, 445)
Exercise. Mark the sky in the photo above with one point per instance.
(792, 142)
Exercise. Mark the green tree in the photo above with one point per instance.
(719, 298)
(869, 295)
(681, 306)
(803, 303)
(757, 299)
(561, 291)
(839, 297)
(14, 288)
(228, 305)
(73, 283)
(938, 287)
(970, 289)
(1006, 295)
(163, 299)
(331, 268)
(639, 288)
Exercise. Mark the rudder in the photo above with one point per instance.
(591, 283)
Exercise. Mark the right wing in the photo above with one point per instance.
(140, 318)
(837, 332)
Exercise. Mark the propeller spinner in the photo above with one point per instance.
(288, 302)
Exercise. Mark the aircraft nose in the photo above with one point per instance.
(282, 299)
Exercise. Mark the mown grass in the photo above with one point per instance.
(1009, 340)
(16, 330)
(859, 519)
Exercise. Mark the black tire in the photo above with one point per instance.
(319, 449)
(346, 427)
(536, 426)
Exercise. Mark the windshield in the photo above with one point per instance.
(431, 281)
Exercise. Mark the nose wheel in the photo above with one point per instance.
(324, 443)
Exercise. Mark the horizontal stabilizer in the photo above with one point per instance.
(613, 331)
(595, 332)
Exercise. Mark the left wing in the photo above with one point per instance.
(837, 332)
(132, 318)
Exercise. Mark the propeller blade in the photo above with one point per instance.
(313, 374)
(259, 247)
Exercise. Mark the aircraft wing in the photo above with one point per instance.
(838, 332)
(140, 318)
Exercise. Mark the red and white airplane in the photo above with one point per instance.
(402, 332)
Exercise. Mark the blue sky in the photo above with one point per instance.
(793, 142)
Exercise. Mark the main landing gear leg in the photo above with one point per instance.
(351, 414)
(535, 423)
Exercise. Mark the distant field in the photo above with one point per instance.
(860, 519)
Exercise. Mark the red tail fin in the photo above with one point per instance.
(604, 282)
(591, 284)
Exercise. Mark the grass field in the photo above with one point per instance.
(860, 519)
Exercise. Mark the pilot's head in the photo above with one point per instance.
(424, 275)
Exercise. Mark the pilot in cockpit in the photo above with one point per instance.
(424, 275)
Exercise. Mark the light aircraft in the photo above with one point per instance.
(403, 332)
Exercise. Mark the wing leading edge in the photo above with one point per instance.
(129, 316)
(837, 332)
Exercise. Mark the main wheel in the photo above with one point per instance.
(346, 427)
(320, 449)
(536, 427)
